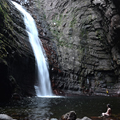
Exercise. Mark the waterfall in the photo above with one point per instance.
(44, 86)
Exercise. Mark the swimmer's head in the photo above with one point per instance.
(108, 105)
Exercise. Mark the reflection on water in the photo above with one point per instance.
(43, 108)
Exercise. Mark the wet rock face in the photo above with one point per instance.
(86, 34)
(81, 40)
(17, 72)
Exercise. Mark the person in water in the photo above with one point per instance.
(108, 113)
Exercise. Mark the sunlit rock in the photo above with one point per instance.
(69, 116)
(5, 117)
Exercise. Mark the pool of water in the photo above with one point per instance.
(37, 108)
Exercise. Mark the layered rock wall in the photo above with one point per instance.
(87, 37)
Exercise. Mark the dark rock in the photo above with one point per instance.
(69, 116)
(5, 87)
(16, 96)
(16, 56)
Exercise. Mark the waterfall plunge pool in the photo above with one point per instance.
(42, 108)
(38, 108)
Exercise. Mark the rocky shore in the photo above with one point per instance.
(68, 116)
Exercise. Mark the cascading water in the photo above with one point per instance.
(44, 87)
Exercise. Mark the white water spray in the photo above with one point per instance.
(44, 87)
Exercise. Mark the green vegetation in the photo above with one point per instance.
(58, 19)
(83, 33)
(58, 33)
(3, 44)
(73, 22)
(99, 35)
(64, 43)
(5, 28)
(38, 4)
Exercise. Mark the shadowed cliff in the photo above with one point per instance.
(17, 65)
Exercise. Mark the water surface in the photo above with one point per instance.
(42, 108)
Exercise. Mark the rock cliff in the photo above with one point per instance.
(17, 64)
(86, 34)
(80, 37)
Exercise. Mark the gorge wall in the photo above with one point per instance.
(86, 34)
(81, 40)
(17, 64)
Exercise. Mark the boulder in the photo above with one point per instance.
(6, 117)
(69, 116)
(84, 118)
(53, 119)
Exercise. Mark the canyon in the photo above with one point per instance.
(81, 41)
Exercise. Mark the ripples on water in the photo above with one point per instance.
(42, 108)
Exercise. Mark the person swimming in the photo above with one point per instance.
(108, 112)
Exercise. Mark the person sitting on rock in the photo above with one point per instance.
(108, 113)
